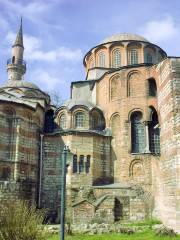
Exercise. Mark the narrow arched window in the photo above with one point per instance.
(62, 121)
(152, 88)
(101, 59)
(149, 58)
(49, 121)
(88, 163)
(137, 133)
(81, 163)
(5, 173)
(133, 56)
(79, 119)
(91, 63)
(75, 164)
(9, 137)
(154, 134)
(116, 58)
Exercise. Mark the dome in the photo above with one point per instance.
(124, 37)
(20, 83)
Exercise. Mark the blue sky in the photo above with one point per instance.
(58, 33)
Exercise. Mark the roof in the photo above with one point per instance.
(20, 83)
(69, 104)
(124, 37)
(19, 37)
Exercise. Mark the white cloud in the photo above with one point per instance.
(45, 80)
(34, 51)
(159, 31)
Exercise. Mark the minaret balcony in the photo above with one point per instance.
(16, 61)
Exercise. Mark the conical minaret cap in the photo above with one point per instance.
(19, 37)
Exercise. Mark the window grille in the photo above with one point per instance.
(62, 121)
(79, 119)
(81, 164)
(154, 134)
(137, 133)
(149, 58)
(116, 58)
(134, 56)
(101, 59)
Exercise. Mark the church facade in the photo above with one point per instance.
(122, 127)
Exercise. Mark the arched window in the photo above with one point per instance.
(149, 58)
(88, 163)
(152, 88)
(154, 134)
(75, 164)
(101, 59)
(5, 173)
(62, 121)
(115, 87)
(79, 119)
(116, 58)
(9, 125)
(49, 121)
(81, 164)
(13, 59)
(133, 56)
(137, 133)
(91, 63)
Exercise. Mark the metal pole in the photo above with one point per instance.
(63, 193)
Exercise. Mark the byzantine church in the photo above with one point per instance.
(121, 125)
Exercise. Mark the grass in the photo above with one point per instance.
(147, 235)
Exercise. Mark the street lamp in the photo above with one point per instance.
(63, 191)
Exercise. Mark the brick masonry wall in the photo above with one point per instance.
(166, 171)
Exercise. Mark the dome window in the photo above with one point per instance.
(149, 58)
(116, 58)
(62, 121)
(79, 120)
(101, 59)
(133, 57)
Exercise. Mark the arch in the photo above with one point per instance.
(101, 59)
(152, 87)
(115, 87)
(75, 164)
(9, 124)
(115, 125)
(137, 133)
(49, 121)
(88, 163)
(154, 132)
(5, 173)
(116, 58)
(133, 49)
(13, 59)
(62, 121)
(91, 63)
(136, 170)
(79, 119)
(81, 164)
(97, 120)
(134, 84)
(118, 209)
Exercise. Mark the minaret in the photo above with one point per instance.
(16, 67)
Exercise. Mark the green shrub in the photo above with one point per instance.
(18, 221)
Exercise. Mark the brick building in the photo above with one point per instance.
(122, 126)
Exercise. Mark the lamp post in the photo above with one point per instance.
(63, 192)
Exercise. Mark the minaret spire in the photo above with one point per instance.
(16, 66)
(19, 37)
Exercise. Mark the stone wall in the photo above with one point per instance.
(166, 176)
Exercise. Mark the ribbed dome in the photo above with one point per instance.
(124, 37)
(20, 83)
